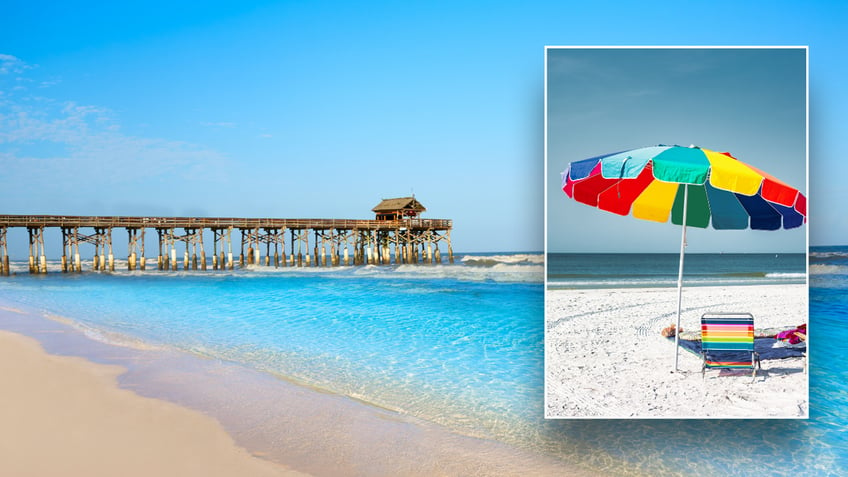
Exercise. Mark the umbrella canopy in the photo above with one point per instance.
(695, 186)
(722, 191)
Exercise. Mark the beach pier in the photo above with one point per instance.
(396, 239)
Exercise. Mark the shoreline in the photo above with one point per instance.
(555, 286)
(98, 428)
(298, 427)
(605, 358)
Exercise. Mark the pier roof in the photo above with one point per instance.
(400, 203)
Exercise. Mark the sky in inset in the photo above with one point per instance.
(750, 102)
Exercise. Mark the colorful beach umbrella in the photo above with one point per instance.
(693, 186)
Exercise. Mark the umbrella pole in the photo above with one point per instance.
(680, 277)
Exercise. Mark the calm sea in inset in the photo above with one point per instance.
(613, 270)
(460, 345)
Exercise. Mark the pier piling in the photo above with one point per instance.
(4, 254)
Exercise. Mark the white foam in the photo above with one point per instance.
(819, 269)
(492, 260)
(828, 254)
(499, 273)
(101, 335)
(786, 275)
(518, 268)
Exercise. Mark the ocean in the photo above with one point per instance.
(462, 346)
(619, 270)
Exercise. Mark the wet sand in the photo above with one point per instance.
(66, 416)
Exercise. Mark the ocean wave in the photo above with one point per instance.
(518, 268)
(500, 272)
(494, 260)
(104, 336)
(829, 254)
(785, 275)
(597, 281)
(819, 269)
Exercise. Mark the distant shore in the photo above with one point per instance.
(605, 357)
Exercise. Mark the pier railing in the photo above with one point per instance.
(217, 222)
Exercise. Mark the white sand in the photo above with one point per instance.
(605, 358)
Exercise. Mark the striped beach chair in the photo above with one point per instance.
(727, 341)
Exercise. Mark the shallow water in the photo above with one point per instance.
(432, 344)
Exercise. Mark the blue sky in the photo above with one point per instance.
(751, 102)
(320, 109)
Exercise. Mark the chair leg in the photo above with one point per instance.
(755, 363)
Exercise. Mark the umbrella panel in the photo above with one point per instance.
(773, 190)
(697, 207)
(763, 215)
(655, 201)
(586, 191)
(629, 164)
(581, 169)
(683, 165)
(791, 218)
(801, 206)
(729, 174)
(619, 198)
(727, 212)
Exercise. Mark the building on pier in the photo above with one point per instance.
(400, 208)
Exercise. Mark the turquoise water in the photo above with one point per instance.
(428, 341)
(460, 345)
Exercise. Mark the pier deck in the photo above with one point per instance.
(335, 241)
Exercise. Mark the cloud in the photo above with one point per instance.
(96, 147)
(12, 65)
(68, 142)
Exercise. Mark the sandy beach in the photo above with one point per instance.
(66, 416)
(605, 357)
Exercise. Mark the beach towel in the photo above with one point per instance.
(790, 337)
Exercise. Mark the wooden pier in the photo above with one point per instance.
(398, 238)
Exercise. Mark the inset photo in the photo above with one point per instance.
(676, 232)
